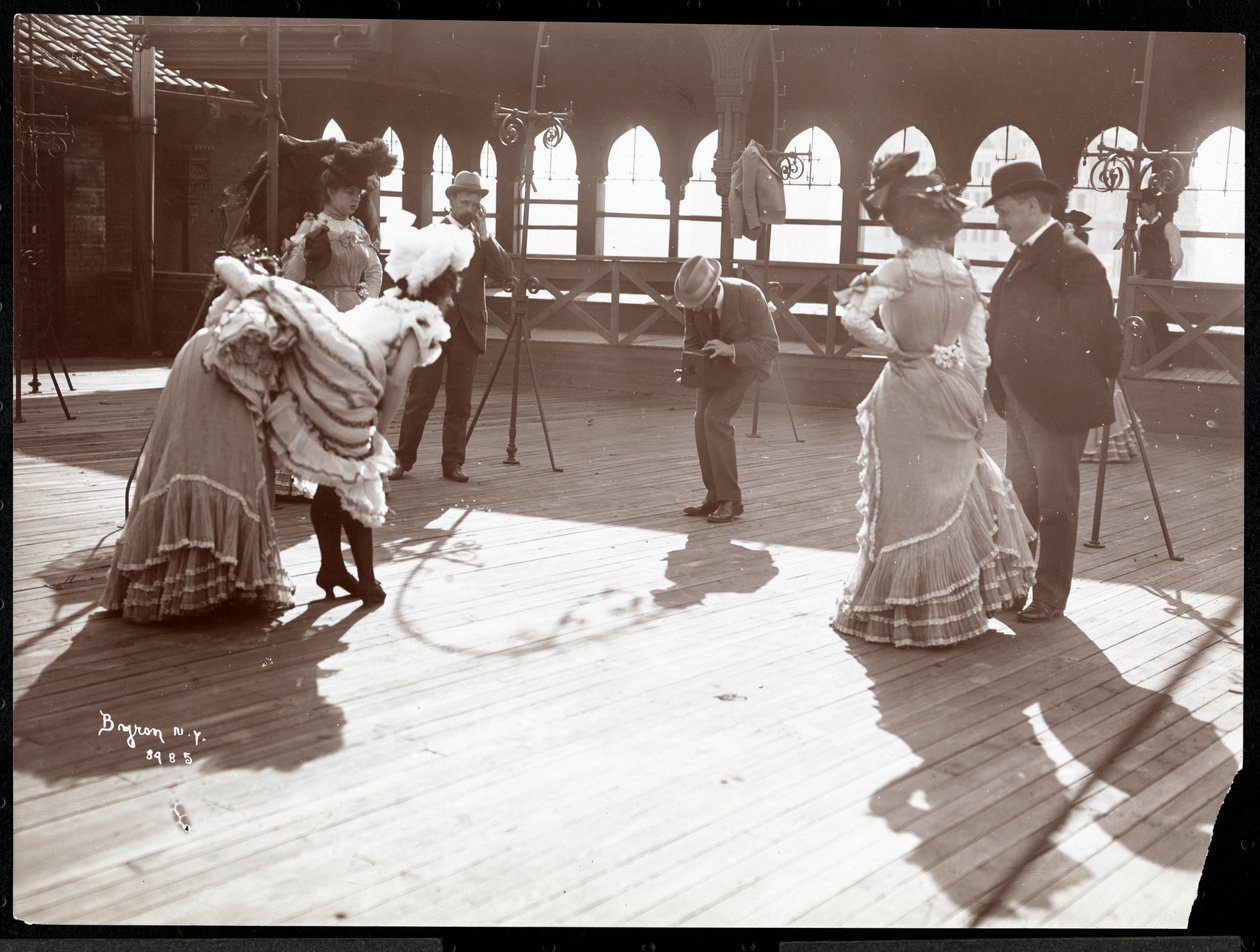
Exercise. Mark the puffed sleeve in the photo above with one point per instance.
(293, 263)
(861, 299)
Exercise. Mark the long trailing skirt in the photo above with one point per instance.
(943, 539)
(200, 532)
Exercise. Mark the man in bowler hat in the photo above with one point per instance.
(1055, 349)
(468, 321)
(728, 320)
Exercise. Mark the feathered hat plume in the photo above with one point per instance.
(420, 255)
(362, 164)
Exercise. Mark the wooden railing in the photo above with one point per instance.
(621, 300)
(1200, 309)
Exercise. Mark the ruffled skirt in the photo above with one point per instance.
(943, 541)
(200, 531)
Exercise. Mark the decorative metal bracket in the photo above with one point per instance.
(44, 132)
(513, 122)
(1116, 168)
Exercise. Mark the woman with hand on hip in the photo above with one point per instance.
(943, 541)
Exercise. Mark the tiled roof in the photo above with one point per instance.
(92, 50)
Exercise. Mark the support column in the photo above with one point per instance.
(417, 191)
(143, 146)
(850, 214)
(733, 52)
(674, 192)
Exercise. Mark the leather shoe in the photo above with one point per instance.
(455, 474)
(1039, 611)
(398, 472)
(726, 511)
(705, 508)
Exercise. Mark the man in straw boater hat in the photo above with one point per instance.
(728, 320)
(468, 320)
(1055, 348)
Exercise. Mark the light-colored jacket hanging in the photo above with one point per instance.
(756, 196)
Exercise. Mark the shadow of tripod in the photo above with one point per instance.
(35, 336)
(1134, 331)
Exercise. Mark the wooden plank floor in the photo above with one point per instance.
(577, 707)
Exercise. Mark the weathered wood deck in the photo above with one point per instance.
(577, 707)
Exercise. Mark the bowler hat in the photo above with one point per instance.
(696, 280)
(466, 182)
(1018, 177)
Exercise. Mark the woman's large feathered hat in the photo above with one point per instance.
(891, 179)
(362, 164)
(420, 254)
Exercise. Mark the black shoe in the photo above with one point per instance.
(330, 580)
(726, 511)
(398, 472)
(372, 593)
(455, 474)
(705, 508)
(1039, 611)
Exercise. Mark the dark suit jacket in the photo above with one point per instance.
(745, 322)
(1053, 336)
(490, 260)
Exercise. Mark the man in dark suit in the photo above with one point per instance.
(468, 320)
(728, 320)
(1055, 348)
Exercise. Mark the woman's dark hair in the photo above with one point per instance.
(445, 283)
(921, 216)
(329, 182)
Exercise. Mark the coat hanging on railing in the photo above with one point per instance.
(756, 196)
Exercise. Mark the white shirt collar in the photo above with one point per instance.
(1031, 239)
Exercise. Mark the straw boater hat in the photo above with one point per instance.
(696, 280)
(362, 164)
(466, 182)
(1019, 177)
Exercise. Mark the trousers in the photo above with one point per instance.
(1044, 466)
(715, 437)
(458, 364)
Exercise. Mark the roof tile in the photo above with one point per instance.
(94, 50)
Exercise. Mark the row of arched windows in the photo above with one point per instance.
(636, 214)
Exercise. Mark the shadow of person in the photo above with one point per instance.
(1011, 733)
(242, 687)
(709, 563)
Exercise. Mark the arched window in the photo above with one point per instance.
(333, 131)
(980, 241)
(700, 211)
(1212, 210)
(391, 191)
(878, 241)
(489, 179)
(636, 210)
(1106, 209)
(553, 205)
(812, 229)
(443, 173)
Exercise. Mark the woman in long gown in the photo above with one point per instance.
(332, 251)
(943, 542)
(344, 382)
(200, 534)
(277, 362)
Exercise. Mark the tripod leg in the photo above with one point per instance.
(1104, 443)
(490, 383)
(1150, 477)
(57, 350)
(17, 378)
(787, 401)
(541, 415)
(756, 408)
(64, 409)
(516, 389)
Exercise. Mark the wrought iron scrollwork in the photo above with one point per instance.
(512, 123)
(1116, 168)
(44, 132)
